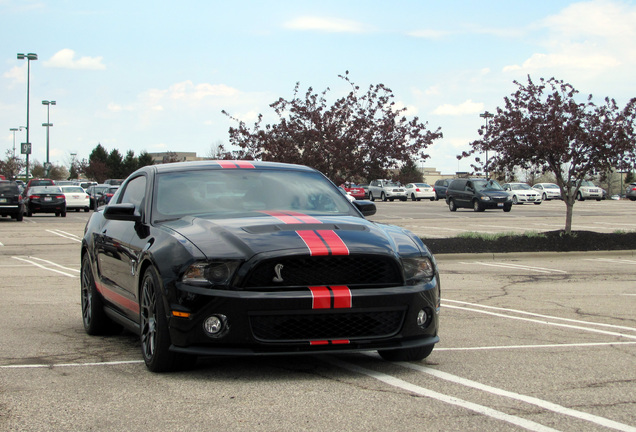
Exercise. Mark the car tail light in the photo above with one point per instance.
(60, 196)
(417, 189)
(33, 197)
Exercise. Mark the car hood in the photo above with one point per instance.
(244, 237)
(496, 194)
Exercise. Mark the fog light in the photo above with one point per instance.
(422, 317)
(216, 325)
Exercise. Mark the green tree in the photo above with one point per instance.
(144, 159)
(11, 166)
(360, 135)
(114, 164)
(409, 173)
(544, 126)
(129, 164)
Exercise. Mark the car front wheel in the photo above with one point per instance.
(407, 354)
(477, 207)
(155, 339)
(371, 197)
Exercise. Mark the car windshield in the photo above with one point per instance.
(587, 183)
(44, 190)
(72, 189)
(520, 186)
(487, 185)
(232, 192)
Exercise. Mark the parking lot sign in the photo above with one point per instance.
(26, 148)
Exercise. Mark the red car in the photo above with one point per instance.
(356, 191)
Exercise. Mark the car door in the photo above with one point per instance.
(119, 247)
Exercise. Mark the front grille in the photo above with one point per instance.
(326, 270)
(326, 326)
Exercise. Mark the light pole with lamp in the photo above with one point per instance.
(14, 130)
(26, 147)
(486, 115)
(48, 124)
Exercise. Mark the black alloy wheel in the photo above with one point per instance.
(155, 339)
(93, 316)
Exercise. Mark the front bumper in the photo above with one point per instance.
(288, 322)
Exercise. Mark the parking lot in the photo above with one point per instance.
(528, 342)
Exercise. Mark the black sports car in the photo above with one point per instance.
(253, 258)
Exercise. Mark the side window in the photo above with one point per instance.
(135, 191)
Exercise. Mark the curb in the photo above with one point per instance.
(518, 255)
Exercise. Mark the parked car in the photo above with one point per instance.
(440, 187)
(548, 191)
(630, 191)
(11, 202)
(45, 199)
(355, 190)
(248, 258)
(589, 190)
(365, 186)
(522, 193)
(113, 182)
(95, 194)
(386, 190)
(37, 182)
(417, 191)
(478, 194)
(106, 195)
(76, 198)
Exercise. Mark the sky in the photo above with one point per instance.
(154, 76)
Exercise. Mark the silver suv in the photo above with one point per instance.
(386, 190)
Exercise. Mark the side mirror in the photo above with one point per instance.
(122, 212)
(367, 208)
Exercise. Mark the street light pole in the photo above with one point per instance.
(48, 124)
(27, 150)
(14, 130)
(486, 115)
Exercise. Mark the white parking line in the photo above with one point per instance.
(559, 409)
(65, 235)
(30, 260)
(622, 335)
(540, 346)
(515, 266)
(520, 312)
(480, 409)
(620, 261)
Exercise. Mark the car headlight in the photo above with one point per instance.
(212, 273)
(418, 270)
(485, 198)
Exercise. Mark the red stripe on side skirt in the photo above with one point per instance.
(321, 342)
(335, 243)
(117, 298)
(340, 342)
(341, 297)
(321, 297)
(314, 243)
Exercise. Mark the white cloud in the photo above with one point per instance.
(17, 74)
(594, 37)
(329, 25)
(468, 107)
(65, 59)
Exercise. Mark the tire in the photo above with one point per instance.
(371, 197)
(413, 198)
(153, 334)
(86, 209)
(537, 202)
(477, 207)
(383, 196)
(19, 217)
(507, 208)
(451, 205)
(515, 200)
(29, 213)
(579, 197)
(93, 316)
(407, 354)
(63, 214)
(544, 197)
(433, 199)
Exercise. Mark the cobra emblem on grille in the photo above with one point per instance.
(277, 269)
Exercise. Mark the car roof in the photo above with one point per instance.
(214, 164)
